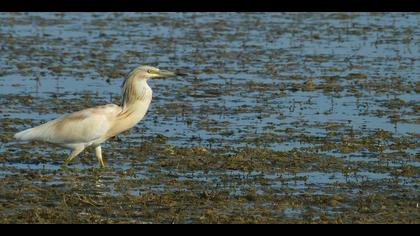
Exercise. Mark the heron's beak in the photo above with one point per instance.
(165, 73)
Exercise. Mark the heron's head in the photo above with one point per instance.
(147, 72)
(130, 86)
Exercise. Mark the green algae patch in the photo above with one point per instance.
(302, 119)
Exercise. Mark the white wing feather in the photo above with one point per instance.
(79, 127)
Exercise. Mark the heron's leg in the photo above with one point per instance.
(73, 154)
(98, 151)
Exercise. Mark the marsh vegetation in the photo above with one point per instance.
(294, 118)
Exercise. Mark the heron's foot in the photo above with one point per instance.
(98, 151)
(101, 164)
(64, 166)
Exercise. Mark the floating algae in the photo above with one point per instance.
(292, 121)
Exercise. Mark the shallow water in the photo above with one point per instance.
(281, 112)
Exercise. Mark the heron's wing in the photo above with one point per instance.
(79, 127)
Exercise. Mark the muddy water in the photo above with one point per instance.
(285, 117)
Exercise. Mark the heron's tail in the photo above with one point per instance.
(26, 135)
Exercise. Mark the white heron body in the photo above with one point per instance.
(93, 126)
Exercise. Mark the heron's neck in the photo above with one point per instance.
(136, 95)
(135, 105)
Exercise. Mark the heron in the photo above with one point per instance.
(95, 125)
